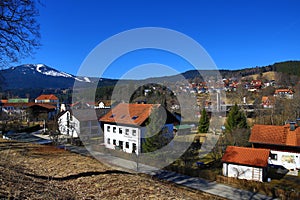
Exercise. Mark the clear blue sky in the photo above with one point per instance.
(235, 33)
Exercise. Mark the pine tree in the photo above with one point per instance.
(236, 119)
(153, 140)
(203, 122)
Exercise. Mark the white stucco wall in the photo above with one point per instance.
(286, 159)
(132, 139)
(74, 125)
(243, 172)
(119, 133)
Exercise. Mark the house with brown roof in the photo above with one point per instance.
(39, 111)
(48, 99)
(283, 141)
(284, 93)
(125, 126)
(246, 163)
(267, 101)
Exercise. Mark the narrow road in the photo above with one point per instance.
(196, 183)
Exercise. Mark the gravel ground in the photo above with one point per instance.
(29, 171)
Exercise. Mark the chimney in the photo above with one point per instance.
(292, 126)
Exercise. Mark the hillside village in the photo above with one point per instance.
(267, 148)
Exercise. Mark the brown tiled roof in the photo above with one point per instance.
(276, 135)
(30, 104)
(132, 114)
(44, 105)
(4, 100)
(46, 97)
(284, 90)
(264, 98)
(246, 156)
(18, 104)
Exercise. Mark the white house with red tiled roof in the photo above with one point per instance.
(283, 141)
(245, 163)
(267, 101)
(285, 93)
(124, 126)
(48, 99)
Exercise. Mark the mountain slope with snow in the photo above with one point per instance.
(37, 76)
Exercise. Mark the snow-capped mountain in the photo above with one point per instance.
(37, 76)
(44, 69)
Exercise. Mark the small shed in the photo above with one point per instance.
(246, 163)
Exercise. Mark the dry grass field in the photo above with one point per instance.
(29, 171)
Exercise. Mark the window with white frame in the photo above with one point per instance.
(126, 131)
(120, 130)
(108, 128)
(114, 129)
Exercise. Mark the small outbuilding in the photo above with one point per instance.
(246, 163)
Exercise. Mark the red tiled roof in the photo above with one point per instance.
(277, 135)
(264, 98)
(132, 114)
(18, 104)
(284, 91)
(30, 104)
(246, 156)
(44, 105)
(46, 97)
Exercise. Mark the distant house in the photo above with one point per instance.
(267, 101)
(15, 107)
(39, 111)
(284, 93)
(124, 126)
(256, 84)
(48, 99)
(103, 104)
(245, 163)
(283, 141)
(68, 124)
(87, 105)
(74, 125)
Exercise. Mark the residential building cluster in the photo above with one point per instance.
(273, 147)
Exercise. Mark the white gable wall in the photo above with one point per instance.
(73, 129)
(243, 172)
(124, 137)
(286, 159)
(114, 134)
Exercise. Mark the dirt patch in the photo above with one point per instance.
(29, 171)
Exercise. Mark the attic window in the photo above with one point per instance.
(112, 116)
(134, 117)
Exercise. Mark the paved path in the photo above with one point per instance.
(214, 188)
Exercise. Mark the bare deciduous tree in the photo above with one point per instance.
(19, 30)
